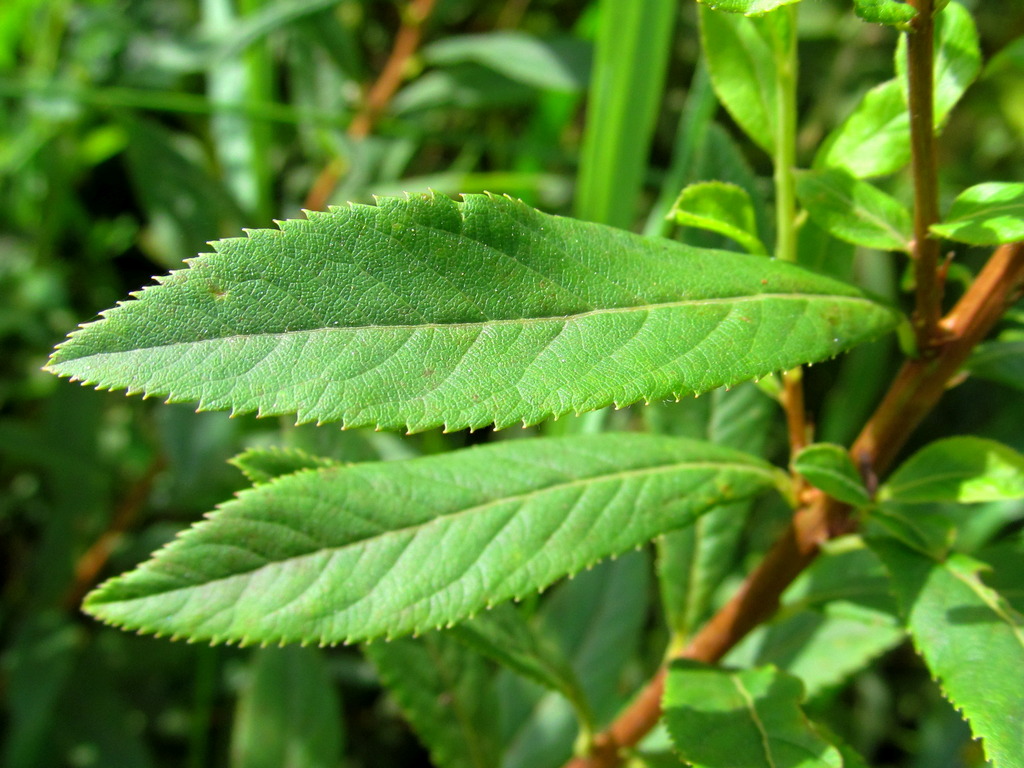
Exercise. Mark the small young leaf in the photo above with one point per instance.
(751, 718)
(426, 312)
(970, 639)
(719, 207)
(740, 54)
(985, 214)
(357, 552)
(445, 692)
(891, 12)
(261, 465)
(957, 469)
(289, 714)
(957, 58)
(746, 7)
(854, 210)
(830, 468)
(875, 139)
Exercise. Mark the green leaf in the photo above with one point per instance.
(444, 690)
(959, 469)
(352, 553)
(854, 210)
(970, 638)
(597, 620)
(957, 58)
(289, 714)
(999, 361)
(504, 636)
(829, 467)
(557, 65)
(693, 562)
(835, 619)
(985, 214)
(749, 718)
(425, 312)
(626, 89)
(261, 465)
(720, 207)
(891, 12)
(875, 139)
(740, 54)
(746, 7)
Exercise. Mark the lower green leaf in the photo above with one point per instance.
(289, 714)
(970, 638)
(445, 693)
(749, 718)
(351, 553)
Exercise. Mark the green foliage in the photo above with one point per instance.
(549, 574)
(345, 554)
(490, 309)
(854, 210)
(829, 467)
(719, 207)
(748, 718)
(972, 640)
(960, 469)
(288, 713)
(986, 214)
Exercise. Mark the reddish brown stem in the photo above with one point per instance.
(915, 391)
(407, 40)
(920, 68)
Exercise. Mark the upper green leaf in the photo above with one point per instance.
(355, 552)
(854, 210)
(971, 639)
(985, 214)
(720, 207)
(890, 12)
(830, 468)
(746, 7)
(749, 718)
(875, 139)
(957, 469)
(741, 54)
(424, 312)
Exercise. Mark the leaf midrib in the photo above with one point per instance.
(520, 498)
(491, 323)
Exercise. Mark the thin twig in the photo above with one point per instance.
(915, 391)
(407, 40)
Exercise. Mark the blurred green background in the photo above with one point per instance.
(134, 131)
